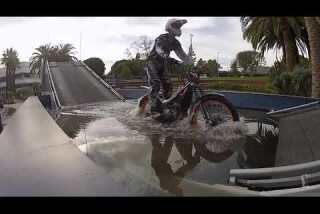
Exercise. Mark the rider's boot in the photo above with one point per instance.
(156, 109)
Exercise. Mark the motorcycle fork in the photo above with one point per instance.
(197, 92)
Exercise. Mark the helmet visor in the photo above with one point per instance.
(177, 24)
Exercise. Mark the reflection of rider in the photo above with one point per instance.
(1, 107)
(170, 180)
(159, 55)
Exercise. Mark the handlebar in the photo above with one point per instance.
(193, 73)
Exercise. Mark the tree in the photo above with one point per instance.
(127, 69)
(210, 67)
(128, 53)
(97, 65)
(142, 46)
(64, 52)
(138, 56)
(201, 63)
(11, 61)
(213, 67)
(234, 67)
(313, 28)
(42, 53)
(47, 52)
(249, 60)
(286, 33)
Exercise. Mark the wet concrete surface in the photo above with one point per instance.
(150, 159)
(38, 159)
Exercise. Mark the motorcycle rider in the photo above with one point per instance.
(168, 179)
(158, 60)
(1, 107)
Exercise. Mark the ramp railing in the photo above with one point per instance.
(56, 101)
(103, 82)
(294, 110)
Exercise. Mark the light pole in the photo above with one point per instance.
(80, 44)
(191, 35)
(218, 64)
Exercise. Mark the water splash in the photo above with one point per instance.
(218, 138)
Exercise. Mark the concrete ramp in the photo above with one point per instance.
(299, 139)
(75, 84)
(38, 159)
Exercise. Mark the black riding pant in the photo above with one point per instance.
(1, 126)
(158, 77)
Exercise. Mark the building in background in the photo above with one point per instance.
(23, 78)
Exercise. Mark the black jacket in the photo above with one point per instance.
(164, 44)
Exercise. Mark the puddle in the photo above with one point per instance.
(153, 159)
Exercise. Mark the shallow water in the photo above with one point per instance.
(150, 158)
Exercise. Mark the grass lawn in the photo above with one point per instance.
(265, 78)
(245, 78)
(260, 84)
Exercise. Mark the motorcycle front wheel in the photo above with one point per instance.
(212, 109)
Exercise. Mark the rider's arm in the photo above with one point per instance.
(182, 55)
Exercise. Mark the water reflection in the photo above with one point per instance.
(191, 153)
(260, 148)
(147, 157)
(72, 124)
(169, 179)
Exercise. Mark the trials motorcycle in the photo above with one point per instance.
(191, 101)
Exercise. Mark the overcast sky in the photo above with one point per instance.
(108, 37)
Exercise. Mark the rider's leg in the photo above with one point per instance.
(154, 82)
(166, 84)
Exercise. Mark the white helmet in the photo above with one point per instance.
(173, 26)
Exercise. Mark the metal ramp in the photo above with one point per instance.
(74, 84)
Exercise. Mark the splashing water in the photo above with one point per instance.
(217, 138)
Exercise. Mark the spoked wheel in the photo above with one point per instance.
(212, 110)
(212, 156)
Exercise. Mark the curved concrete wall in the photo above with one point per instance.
(38, 159)
(265, 102)
(244, 100)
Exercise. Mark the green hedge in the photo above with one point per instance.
(297, 83)
(242, 87)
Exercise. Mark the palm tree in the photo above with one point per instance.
(65, 52)
(42, 53)
(286, 33)
(313, 27)
(11, 61)
(61, 52)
